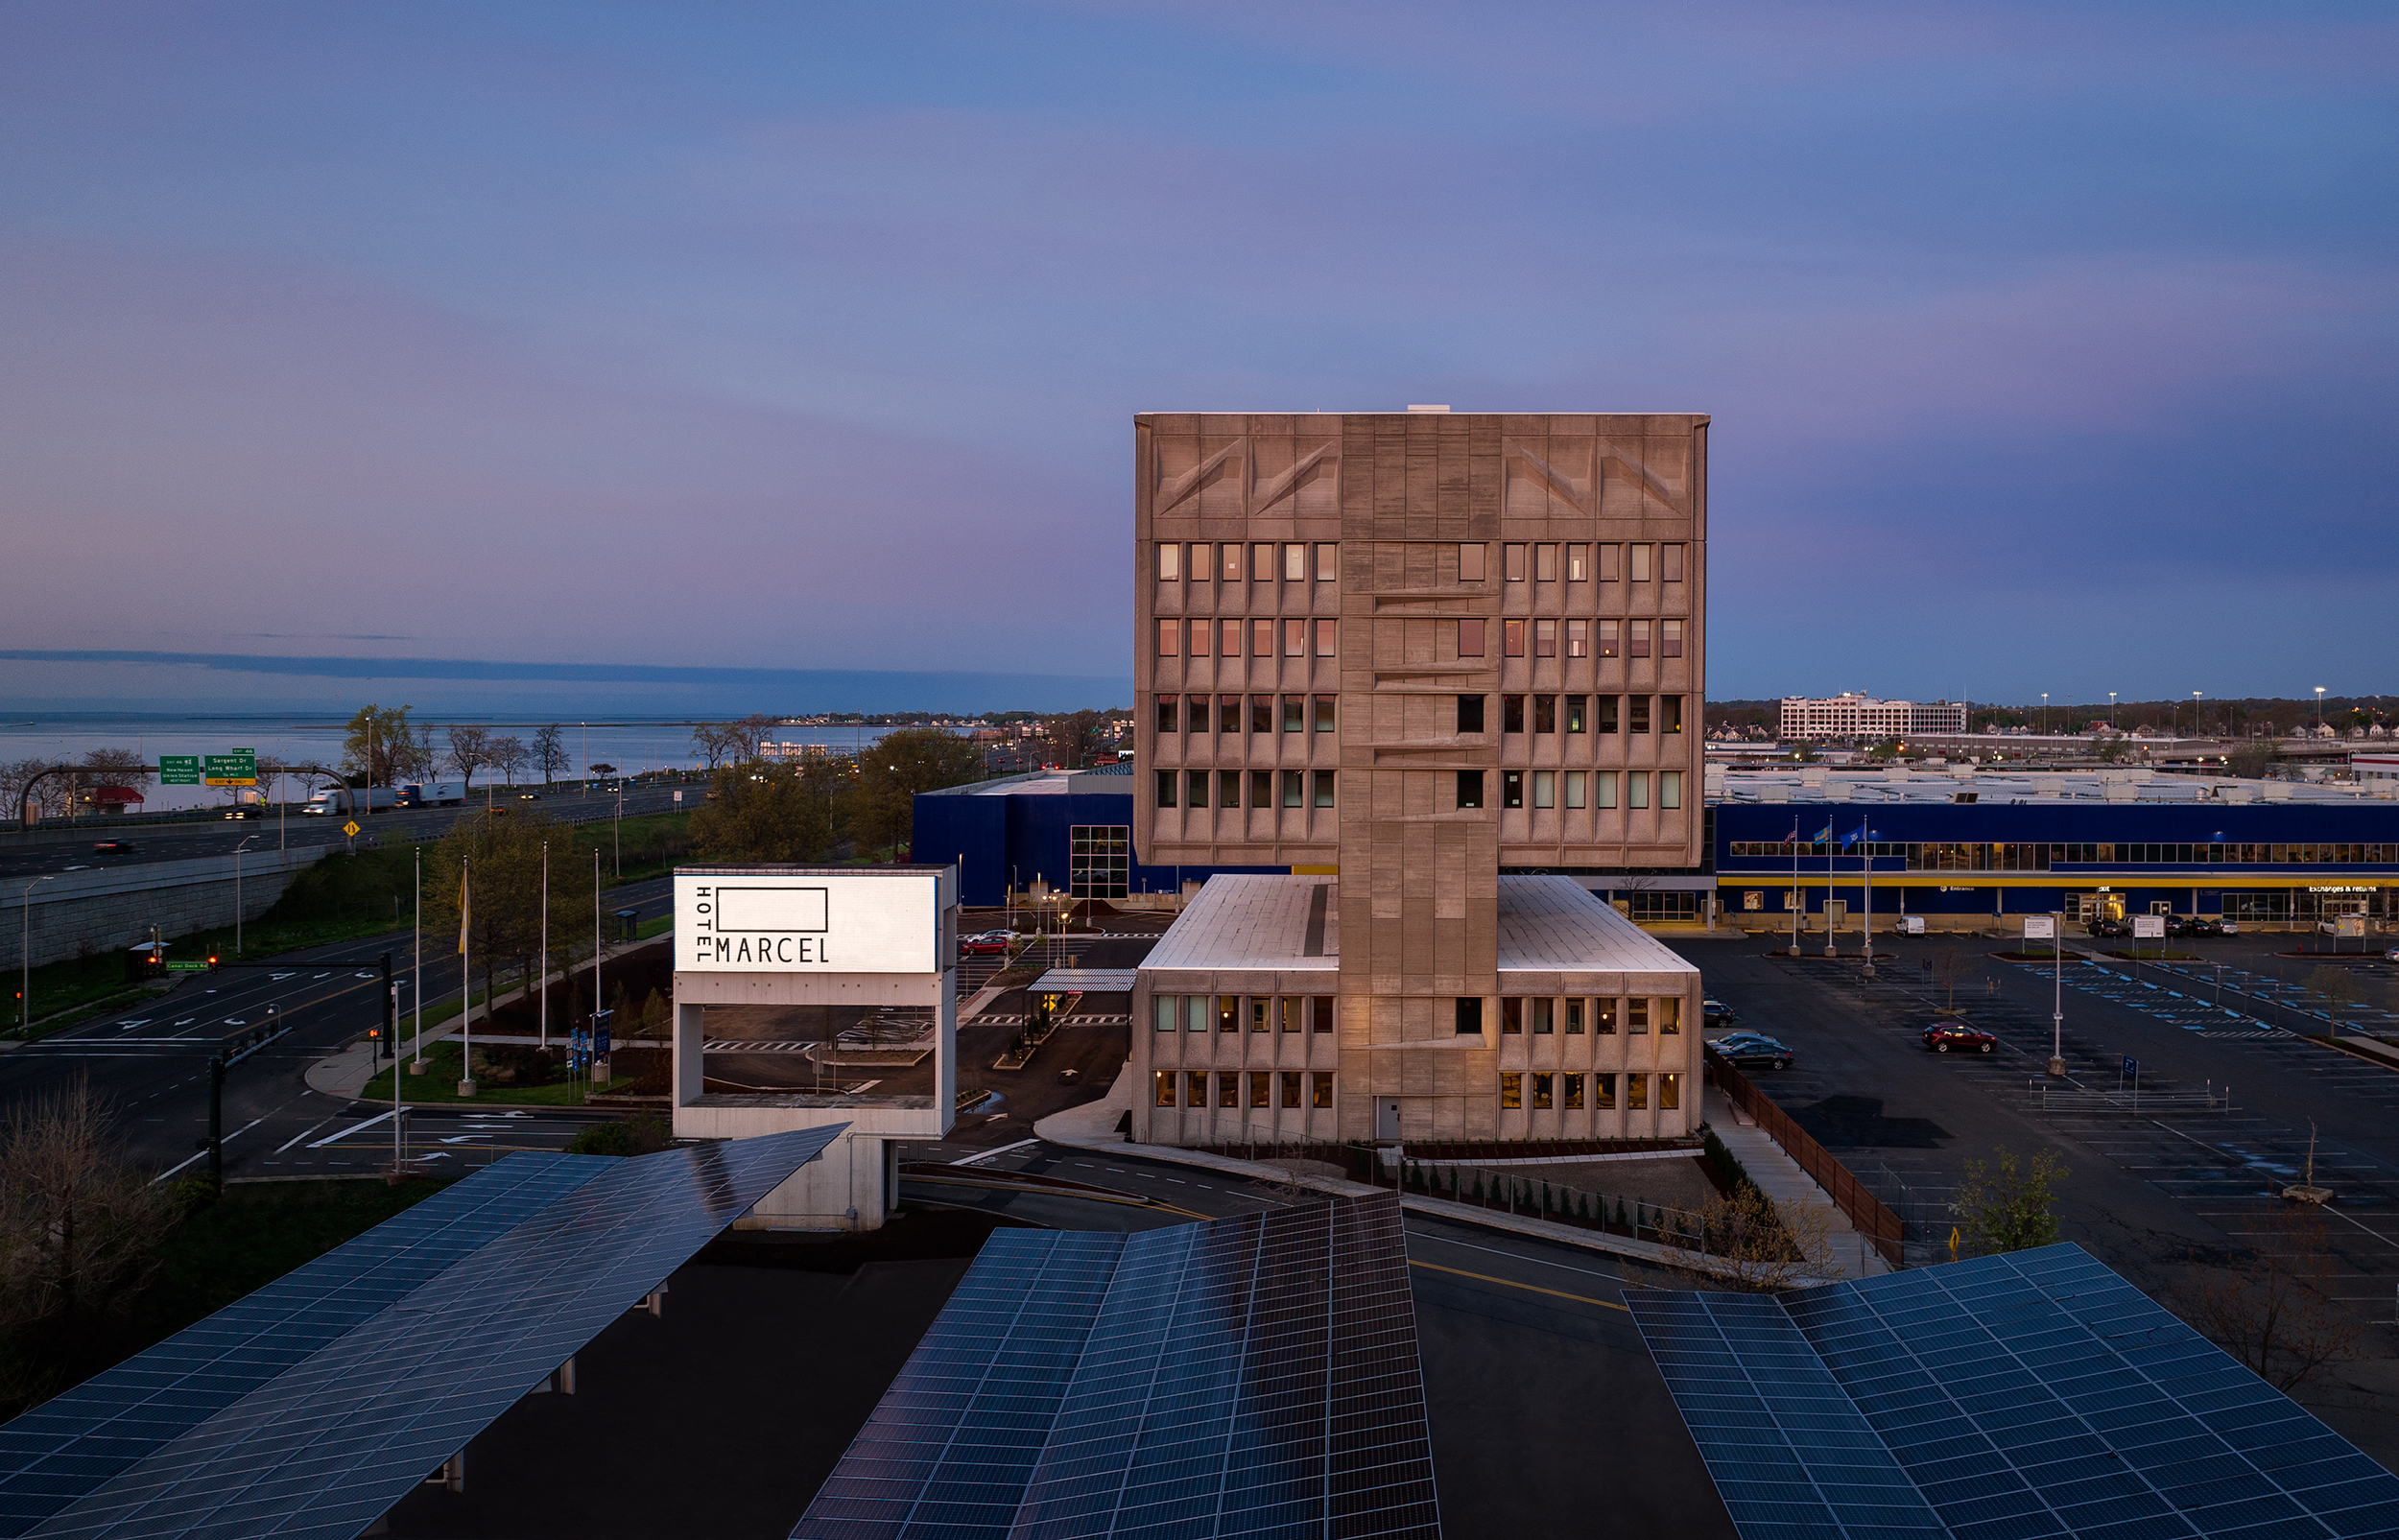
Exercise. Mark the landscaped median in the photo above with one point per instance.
(439, 1084)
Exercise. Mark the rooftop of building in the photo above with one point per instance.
(1546, 925)
(1113, 779)
(1942, 783)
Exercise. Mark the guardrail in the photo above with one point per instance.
(1868, 1215)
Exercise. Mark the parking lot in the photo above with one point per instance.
(2228, 1095)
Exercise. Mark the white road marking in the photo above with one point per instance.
(1001, 1150)
(201, 1154)
(346, 1132)
(303, 1133)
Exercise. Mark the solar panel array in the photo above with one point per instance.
(313, 1407)
(2007, 1398)
(1254, 1376)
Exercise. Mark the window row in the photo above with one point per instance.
(1262, 1088)
(1616, 638)
(1547, 711)
(1596, 789)
(1565, 1092)
(1546, 562)
(1297, 713)
(1540, 1016)
(1229, 1013)
(1227, 561)
(1256, 637)
(1928, 855)
(1296, 789)
(1100, 859)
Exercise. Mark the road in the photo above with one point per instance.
(2229, 1103)
(52, 848)
(151, 1062)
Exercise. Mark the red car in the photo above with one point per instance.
(987, 944)
(114, 847)
(1944, 1036)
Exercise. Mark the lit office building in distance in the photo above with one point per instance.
(1861, 715)
(1439, 669)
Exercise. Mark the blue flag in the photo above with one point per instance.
(1823, 833)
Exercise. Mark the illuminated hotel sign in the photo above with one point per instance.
(803, 920)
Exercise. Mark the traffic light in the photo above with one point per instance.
(212, 962)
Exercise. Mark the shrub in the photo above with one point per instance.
(644, 1136)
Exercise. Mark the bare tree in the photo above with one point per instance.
(2268, 1307)
(1755, 1243)
(745, 735)
(550, 751)
(78, 1226)
(510, 756)
(1949, 965)
(715, 740)
(470, 750)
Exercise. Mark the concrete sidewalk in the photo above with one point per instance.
(1780, 1177)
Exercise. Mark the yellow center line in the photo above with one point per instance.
(1511, 1283)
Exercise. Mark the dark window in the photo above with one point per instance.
(1169, 713)
(1324, 712)
(1228, 788)
(1291, 1088)
(1167, 786)
(1640, 713)
(1294, 788)
(1469, 789)
(1228, 1090)
(1608, 713)
(1512, 789)
(1573, 1092)
(1324, 789)
(1512, 713)
(1514, 557)
(1670, 563)
(1294, 713)
(1469, 713)
(1321, 1085)
(1512, 1014)
(1261, 713)
(1670, 713)
(1541, 1093)
(1543, 1014)
(1603, 1093)
(1320, 1014)
(1228, 712)
(1574, 713)
(1469, 1014)
(1545, 713)
(1261, 789)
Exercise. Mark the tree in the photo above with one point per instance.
(2003, 1204)
(774, 812)
(2340, 988)
(78, 1229)
(2267, 1306)
(510, 756)
(470, 750)
(1751, 1241)
(550, 751)
(883, 798)
(1075, 737)
(501, 859)
(1949, 965)
(379, 744)
(716, 740)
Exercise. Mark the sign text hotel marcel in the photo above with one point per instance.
(808, 921)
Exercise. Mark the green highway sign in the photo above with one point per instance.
(194, 966)
(179, 770)
(239, 767)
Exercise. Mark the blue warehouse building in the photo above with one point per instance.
(2264, 864)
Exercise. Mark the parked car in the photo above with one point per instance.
(1955, 1036)
(985, 944)
(1752, 1051)
(2228, 927)
(1717, 1013)
(2202, 925)
(2110, 928)
(115, 847)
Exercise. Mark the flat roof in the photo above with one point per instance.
(1546, 925)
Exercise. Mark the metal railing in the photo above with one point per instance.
(1868, 1215)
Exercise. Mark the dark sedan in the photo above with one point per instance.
(1957, 1037)
(1748, 1051)
(2111, 929)
(115, 847)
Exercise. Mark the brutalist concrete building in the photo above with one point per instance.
(1437, 665)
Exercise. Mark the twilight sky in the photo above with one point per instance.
(2050, 346)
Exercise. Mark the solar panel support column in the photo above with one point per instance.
(216, 1124)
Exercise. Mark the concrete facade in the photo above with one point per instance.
(108, 909)
(1413, 650)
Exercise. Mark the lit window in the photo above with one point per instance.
(1669, 1087)
(1294, 638)
(1542, 1099)
(1259, 1008)
(1470, 562)
(1230, 568)
(1545, 636)
(1573, 1092)
(1604, 1017)
(1286, 1012)
(1574, 780)
(1636, 1015)
(1166, 1088)
(1638, 1092)
(1577, 563)
(1669, 1016)
(1228, 1013)
(1294, 562)
(1512, 636)
(1577, 638)
(1545, 788)
(1321, 1087)
(1511, 1091)
(1170, 563)
(1603, 1093)
(1574, 713)
(1608, 646)
(1470, 637)
(1670, 713)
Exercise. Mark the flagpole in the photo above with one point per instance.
(596, 1004)
(466, 977)
(1831, 846)
(1798, 902)
(544, 985)
(416, 986)
(1865, 837)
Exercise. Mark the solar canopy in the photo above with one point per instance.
(1254, 1376)
(2031, 1395)
(313, 1405)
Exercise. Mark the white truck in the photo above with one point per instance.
(432, 794)
(327, 801)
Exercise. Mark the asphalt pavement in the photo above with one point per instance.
(150, 1063)
(51, 847)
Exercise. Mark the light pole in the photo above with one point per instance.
(2045, 713)
(2319, 710)
(25, 955)
(2195, 713)
(237, 894)
(2111, 711)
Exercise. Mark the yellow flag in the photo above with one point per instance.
(465, 908)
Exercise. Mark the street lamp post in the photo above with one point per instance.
(25, 954)
(2319, 710)
(2195, 714)
(2111, 711)
(2045, 713)
(237, 894)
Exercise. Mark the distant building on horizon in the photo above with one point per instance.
(1861, 715)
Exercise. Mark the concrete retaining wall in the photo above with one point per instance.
(110, 909)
